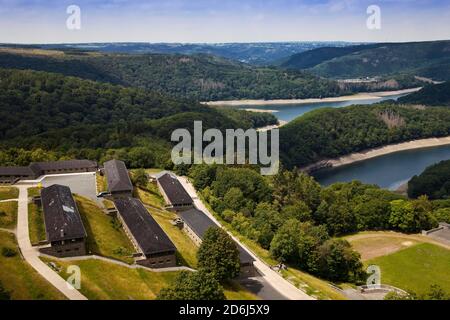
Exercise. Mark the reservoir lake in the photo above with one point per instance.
(388, 171)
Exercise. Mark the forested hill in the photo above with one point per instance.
(432, 95)
(425, 59)
(330, 133)
(312, 58)
(201, 77)
(68, 116)
(433, 182)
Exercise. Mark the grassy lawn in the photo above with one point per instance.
(377, 246)
(102, 280)
(374, 244)
(149, 195)
(311, 285)
(8, 214)
(36, 225)
(102, 184)
(8, 193)
(416, 268)
(105, 234)
(34, 192)
(186, 248)
(20, 279)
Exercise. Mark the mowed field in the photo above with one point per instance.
(417, 268)
(409, 262)
(18, 278)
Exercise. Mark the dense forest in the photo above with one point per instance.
(47, 116)
(425, 59)
(433, 182)
(330, 133)
(200, 77)
(295, 218)
(432, 95)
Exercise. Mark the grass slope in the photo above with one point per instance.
(18, 278)
(102, 280)
(8, 214)
(105, 234)
(7, 193)
(416, 269)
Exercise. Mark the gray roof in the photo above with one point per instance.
(66, 165)
(38, 168)
(145, 230)
(61, 216)
(117, 176)
(16, 171)
(199, 223)
(174, 190)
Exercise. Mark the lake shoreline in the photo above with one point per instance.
(355, 97)
(377, 152)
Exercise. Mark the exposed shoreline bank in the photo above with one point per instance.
(355, 97)
(377, 152)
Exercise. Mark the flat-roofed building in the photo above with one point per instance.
(174, 194)
(149, 239)
(10, 175)
(196, 223)
(63, 224)
(118, 179)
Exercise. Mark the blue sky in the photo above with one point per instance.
(44, 21)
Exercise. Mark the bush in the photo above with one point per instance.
(339, 262)
(8, 252)
(4, 295)
(218, 255)
(193, 286)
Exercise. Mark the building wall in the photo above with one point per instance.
(197, 240)
(164, 261)
(122, 194)
(66, 248)
(74, 170)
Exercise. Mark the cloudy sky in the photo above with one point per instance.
(44, 21)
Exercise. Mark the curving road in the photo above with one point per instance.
(271, 284)
(31, 254)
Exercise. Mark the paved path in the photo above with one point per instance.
(270, 276)
(9, 200)
(31, 255)
(120, 263)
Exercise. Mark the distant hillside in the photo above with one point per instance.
(330, 133)
(425, 59)
(432, 95)
(88, 119)
(262, 53)
(311, 58)
(199, 77)
(433, 182)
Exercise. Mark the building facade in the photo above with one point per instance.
(10, 175)
(155, 248)
(64, 227)
(174, 194)
(118, 179)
